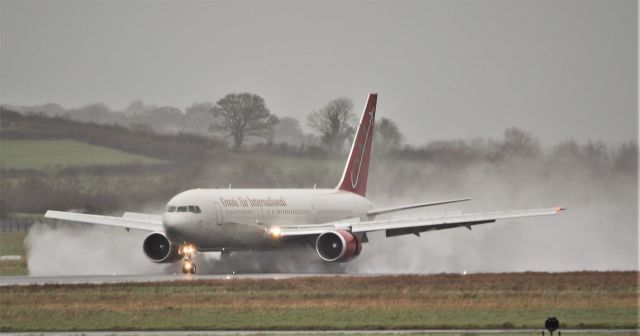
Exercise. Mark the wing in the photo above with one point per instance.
(143, 216)
(380, 211)
(402, 226)
(129, 220)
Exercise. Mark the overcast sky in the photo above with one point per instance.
(443, 69)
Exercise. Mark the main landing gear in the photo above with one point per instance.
(188, 266)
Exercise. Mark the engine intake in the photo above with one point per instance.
(158, 248)
(339, 245)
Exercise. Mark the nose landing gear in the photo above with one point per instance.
(188, 266)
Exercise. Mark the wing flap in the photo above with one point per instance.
(419, 229)
(306, 230)
(126, 222)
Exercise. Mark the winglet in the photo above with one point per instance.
(356, 171)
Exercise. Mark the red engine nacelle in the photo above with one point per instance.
(339, 245)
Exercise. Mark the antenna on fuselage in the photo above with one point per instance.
(229, 186)
(314, 186)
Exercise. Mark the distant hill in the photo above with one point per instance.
(177, 148)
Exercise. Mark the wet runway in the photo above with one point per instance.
(110, 279)
(336, 332)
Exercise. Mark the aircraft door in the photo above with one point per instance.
(218, 210)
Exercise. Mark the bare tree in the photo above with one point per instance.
(517, 143)
(288, 131)
(134, 108)
(387, 136)
(334, 122)
(198, 118)
(164, 119)
(241, 116)
(627, 158)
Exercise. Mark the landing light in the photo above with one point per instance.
(187, 266)
(275, 232)
(187, 250)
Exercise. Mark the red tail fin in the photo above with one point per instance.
(354, 177)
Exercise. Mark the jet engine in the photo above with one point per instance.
(159, 249)
(339, 245)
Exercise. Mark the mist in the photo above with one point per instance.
(598, 231)
(73, 249)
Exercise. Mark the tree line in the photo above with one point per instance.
(237, 118)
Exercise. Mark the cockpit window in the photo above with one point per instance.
(187, 208)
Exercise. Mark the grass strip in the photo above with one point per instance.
(40, 154)
(517, 300)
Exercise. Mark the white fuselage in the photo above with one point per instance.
(233, 219)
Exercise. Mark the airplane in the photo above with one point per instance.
(333, 221)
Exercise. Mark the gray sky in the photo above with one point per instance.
(443, 69)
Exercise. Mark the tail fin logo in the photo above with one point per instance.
(356, 169)
(363, 146)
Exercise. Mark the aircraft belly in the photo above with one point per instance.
(215, 237)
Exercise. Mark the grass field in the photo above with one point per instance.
(39, 154)
(12, 243)
(520, 300)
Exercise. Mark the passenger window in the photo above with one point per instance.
(182, 209)
(171, 209)
(198, 209)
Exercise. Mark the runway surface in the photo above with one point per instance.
(336, 332)
(105, 279)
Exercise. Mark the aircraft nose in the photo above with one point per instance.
(173, 220)
(170, 220)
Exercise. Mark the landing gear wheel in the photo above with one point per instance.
(187, 251)
(188, 267)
